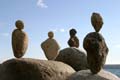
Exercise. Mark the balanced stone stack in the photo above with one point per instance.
(19, 40)
(95, 45)
(50, 47)
(73, 41)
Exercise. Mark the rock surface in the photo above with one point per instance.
(87, 75)
(50, 48)
(73, 57)
(19, 43)
(96, 21)
(97, 51)
(73, 41)
(31, 69)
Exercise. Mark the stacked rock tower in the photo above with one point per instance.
(95, 45)
(19, 40)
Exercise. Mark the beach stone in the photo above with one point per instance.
(73, 41)
(19, 40)
(33, 69)
(74, 57)
(96, 21)
(87, 75)
(19, 24)
(50, 47)
(97, 51)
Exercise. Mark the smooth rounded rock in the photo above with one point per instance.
(96, 21)
(87, 75)
(19, 43)
(33, 69)
(50, 47)
(97, 51)
(19, 24)
(74, 57)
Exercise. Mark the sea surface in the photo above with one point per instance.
(115, 69)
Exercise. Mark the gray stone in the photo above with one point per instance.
(97, 51)
(50, 47)
(87, 75)
(96, 21)
(74, 57)
(33, 69)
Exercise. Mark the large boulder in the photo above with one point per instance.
(87, 75)
(31, 69)
(73, 57)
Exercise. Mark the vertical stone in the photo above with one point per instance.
(19, 40)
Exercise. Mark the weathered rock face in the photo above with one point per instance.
(31, 69)
(97, 51)
(73, 57)
(19, 43)
(87, 75)
(96, 21)
(73, 41)
(50, 47)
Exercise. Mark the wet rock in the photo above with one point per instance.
(97, 51)
(50, 47)
(74, 57)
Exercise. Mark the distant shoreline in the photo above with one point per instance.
(112, 66)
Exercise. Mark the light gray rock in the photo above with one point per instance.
(32, 69)
(87, 75)
(73, 57)
(50, 47)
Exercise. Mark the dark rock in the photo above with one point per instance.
(31, 69)
(96, 21)
(73, 57)
(19, 43)
(97, 51)
(87, 75)
(73, 41)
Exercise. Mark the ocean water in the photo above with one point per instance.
(114, 71)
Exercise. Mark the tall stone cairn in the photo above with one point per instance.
(19, 40)
(73, 41)
(95, 45)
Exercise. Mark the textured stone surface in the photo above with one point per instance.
(73, 57)
(87, 75)
(73, 41)
(50, 47)
(19, 43)
(97, 51)
(31, 69)
(96, 21)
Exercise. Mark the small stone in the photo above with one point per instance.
(73, 41)
(50, 47)
(19, 24)
(96, 21)
(97, 51)
(19, 41)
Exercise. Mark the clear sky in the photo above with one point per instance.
(41, 16)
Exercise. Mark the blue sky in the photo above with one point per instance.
(41, 16)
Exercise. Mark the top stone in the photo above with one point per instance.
(19, 24)
(50, 34)
(96, 21)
